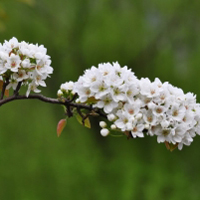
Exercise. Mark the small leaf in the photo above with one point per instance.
(79, 119)
(167, 145)
(171, 146)
(6, 91)
(91, 100)
(86, 121)
(61, 125)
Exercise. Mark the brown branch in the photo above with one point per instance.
(33, 96)
(65, 102)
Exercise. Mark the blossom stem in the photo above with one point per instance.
(16, 92)
(65, 102)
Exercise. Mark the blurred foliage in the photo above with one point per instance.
(3, 12)
(156, 39)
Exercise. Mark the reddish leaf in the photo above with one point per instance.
(6, 91)
(170, 146)
(61, 125)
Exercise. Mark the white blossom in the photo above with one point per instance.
(13, 62)
(137, 130)
(25, 63)
(139, 107)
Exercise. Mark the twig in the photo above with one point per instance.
(16, 92)
(64, 102)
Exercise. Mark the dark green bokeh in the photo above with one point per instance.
(154, 38)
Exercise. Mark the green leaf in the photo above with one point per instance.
(61, 125)
(86, 121)
(91, 100)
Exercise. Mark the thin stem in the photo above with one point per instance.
(64, 102)
(16, 92)
(34, 96)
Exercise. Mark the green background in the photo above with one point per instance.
(156, 39)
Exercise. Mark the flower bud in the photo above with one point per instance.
(59, 93)
(113, 127)
(104, 132)
(111, 117)
(102, 124)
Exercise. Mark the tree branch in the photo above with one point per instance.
(33, 96)
(65, 102)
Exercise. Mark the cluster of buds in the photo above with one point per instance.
(138, 107)
(25, 64)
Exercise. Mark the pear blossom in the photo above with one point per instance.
(67, 86)
(13, 62)
(124, 121)
(20, 75)
(139, 107)
(11, 44)
(100, 89)
(106, 103)
(3, 61)
(12, 83)
(149, 117)
(32, 87)
(24, 63)
(137, 130)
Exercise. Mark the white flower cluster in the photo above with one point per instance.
(25, 63)
(139, 107)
